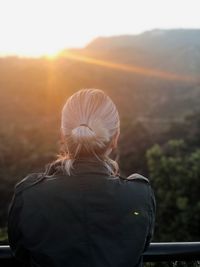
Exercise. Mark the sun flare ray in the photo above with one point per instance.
(129, 68)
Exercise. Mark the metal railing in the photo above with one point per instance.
(157, 252)
(178, 251)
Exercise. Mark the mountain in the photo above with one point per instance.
(155, 73)
(175, 50)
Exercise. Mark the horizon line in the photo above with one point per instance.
(57, 54)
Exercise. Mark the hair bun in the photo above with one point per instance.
(83, 134)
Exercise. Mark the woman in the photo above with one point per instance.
(81, 212)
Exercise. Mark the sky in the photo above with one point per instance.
(44, 27)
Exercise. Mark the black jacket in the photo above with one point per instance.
(89, 219)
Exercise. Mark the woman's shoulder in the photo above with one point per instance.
(138, 183)
(30, 180)
(141, 185)
(135, 177)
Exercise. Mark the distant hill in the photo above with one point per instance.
(172, 50)
(160, 70)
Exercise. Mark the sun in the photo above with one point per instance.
(38, 28)
(35, 28)
(33, 48)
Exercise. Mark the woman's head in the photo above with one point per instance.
(90, 124)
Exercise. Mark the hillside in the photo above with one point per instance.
(170, 50)
(159, 70)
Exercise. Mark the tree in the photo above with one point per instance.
(175, 175)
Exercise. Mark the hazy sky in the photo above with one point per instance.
(36, 27)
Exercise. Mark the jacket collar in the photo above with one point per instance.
(91, 165)
(86, 165)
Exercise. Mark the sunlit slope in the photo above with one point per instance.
(159, 70)
(175, 51)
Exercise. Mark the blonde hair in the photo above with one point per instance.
(89, 121)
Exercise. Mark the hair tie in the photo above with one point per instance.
(83, 124)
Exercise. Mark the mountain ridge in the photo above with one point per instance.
(176, 50)
(154, 35)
